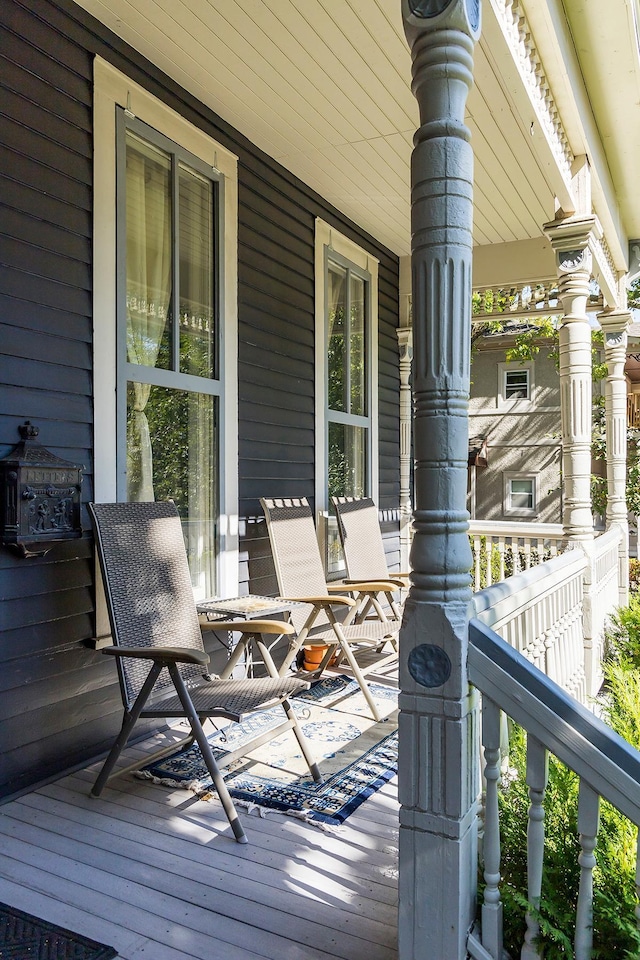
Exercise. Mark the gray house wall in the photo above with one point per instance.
(59, 700)
(521, 438)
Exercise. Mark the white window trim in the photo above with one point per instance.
(523, 405)
(331, 240)
(111, 89)
(509, 511)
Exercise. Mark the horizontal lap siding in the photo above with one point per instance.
(70, 705)
(277, 358)
(52, 689)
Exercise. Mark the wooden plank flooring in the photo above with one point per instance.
(157, 875)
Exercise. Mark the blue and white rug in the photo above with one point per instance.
(356, 755)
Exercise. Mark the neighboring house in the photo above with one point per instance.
(514, 410)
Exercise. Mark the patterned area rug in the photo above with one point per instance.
(23, 937)
(355, 753)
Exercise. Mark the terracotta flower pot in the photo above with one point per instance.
(313, 656)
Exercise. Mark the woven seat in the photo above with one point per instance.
(365, 559)
(162, 663)
(301, 577)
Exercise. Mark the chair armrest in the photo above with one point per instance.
(324, 601)
(250, 626)
(159, 654)
(388, 585)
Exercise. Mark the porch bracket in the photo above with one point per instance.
(438, 759)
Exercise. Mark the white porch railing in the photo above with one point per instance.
(604, 600)
(607, 765)
(501, 548)
(554, 615)
(539, 614)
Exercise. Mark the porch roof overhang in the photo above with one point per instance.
(323, 87)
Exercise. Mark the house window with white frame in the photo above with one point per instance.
(346, 388)
(520, 495)
(515, 384)
(169, 336)
(348, 415)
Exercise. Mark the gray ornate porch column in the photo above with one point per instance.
(570, 240)
(614, 326)
(438, 761)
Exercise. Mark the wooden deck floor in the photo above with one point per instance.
(159, 877)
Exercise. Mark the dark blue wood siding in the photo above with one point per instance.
(59, 702)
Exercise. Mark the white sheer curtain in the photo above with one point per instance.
(148, 296)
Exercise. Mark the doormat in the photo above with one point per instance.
(23, 937)
(356, 755)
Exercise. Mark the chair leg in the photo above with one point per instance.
(357, 673)
(302, 740)
(207, 755)
(128, 723)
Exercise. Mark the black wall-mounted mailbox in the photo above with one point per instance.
(40, 497)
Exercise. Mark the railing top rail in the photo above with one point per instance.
(607, 540)
(507, 597)
(522, 528)
(570, 731)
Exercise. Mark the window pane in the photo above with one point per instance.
(357, 346)
(347, 460)
(337, 347)
(196, 237)
(172, 453)
(522, 494)
(148, 269)
(516, 385)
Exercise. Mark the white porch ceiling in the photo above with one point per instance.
(323, 86)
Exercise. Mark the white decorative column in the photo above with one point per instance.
(614, 327)
(570, 240)
(439, 749)
(405, 343)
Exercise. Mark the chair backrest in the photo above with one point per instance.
(361, 538)
(147, 585)
(296, 554)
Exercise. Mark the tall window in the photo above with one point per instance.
(169, 386)
(348, 399)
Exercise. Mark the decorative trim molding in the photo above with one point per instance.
(529, 63)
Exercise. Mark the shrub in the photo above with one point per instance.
(623, 636)
(615, 934)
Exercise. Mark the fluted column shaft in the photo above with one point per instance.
(614, 326)
(570, 240)
(438, 761)
(405, 343)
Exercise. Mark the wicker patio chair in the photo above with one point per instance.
(300, 576)
(363, 548)
(158, 646)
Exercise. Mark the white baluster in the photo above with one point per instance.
(476, 564)
(488, 548)
(492, 906)
(501, 545)
(537, 774)
(588, 822)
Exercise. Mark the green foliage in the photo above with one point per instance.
(615, 933)
(633, 295)
(623, 636)
(527, 342)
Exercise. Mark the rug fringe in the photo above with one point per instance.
(309, 818)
